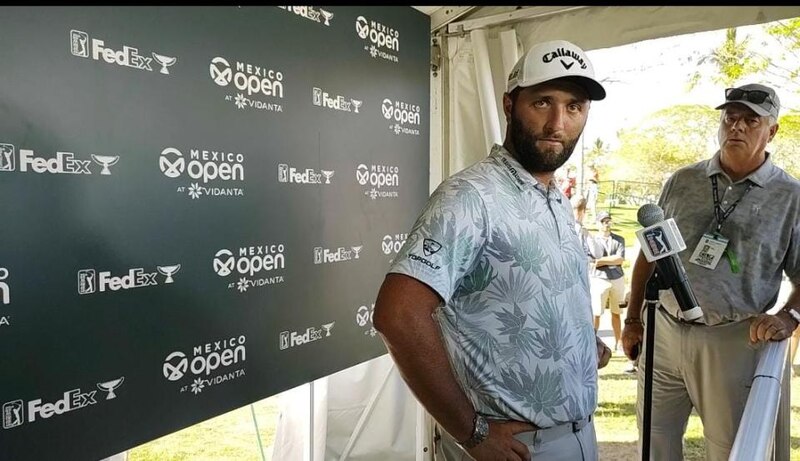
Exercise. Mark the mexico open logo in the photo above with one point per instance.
(224, 262)
(220, 71)
(171, 168)
(252, 78)
(378, 34)
(392, 244)
(256, 266)
(175, 366)
(378, 178)
(401, 112)
(205, 362)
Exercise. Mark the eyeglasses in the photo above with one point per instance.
(754, 96)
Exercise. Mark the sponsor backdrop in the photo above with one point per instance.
(198, 207)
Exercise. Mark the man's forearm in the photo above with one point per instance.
(642, 270)
(609, 261)
(415, 343)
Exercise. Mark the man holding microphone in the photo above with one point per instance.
(739, 215)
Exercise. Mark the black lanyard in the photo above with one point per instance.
(719, 213)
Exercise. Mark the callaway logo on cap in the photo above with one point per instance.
(552, 60)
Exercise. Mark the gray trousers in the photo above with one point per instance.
(571, 446)
(709, 368)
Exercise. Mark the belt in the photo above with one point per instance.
(552, 433)
(679, 319)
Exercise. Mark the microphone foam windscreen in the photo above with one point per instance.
(649, 214)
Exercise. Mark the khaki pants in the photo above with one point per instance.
(607, 294)
(573, 446)
(709, 368)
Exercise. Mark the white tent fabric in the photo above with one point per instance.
(363, 413)
(478, 66)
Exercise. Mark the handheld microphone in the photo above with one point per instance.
(661, 241)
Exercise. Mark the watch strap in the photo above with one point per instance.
(793, 314)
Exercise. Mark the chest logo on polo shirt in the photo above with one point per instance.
(430, 246)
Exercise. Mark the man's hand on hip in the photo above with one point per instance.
(767, 327)
(501, 445)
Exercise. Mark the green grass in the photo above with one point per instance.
(615, 419)
(228, 437)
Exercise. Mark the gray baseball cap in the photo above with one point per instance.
(760, 98)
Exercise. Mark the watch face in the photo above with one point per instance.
(479, 433)
(482, 427)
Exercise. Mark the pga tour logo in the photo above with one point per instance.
(62, 163)
(657, 242)
(252, 81)
(310, 13)
(287, 174)
(128, 56)
(89, 281)
(251, 263)
(204, 166)
(322, 98)
(6, 157)
(379, 38)
(392, 244)
(16, 414)
(205, 360)
(291, 339)
(324, 255)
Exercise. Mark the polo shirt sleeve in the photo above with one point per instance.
(447, 238)
(792, 259)
(665, 192)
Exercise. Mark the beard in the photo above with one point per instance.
(531, 157)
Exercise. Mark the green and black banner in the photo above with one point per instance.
(197, 208)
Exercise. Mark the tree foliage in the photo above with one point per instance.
(731, 61)
(665, 141)
(785, 147)
(598, 156)
(787, 33)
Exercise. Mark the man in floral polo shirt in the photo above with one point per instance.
(486, 309)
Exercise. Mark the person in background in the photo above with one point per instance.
(569, 182)
(579, 211)
(607, 280)
(739, 215)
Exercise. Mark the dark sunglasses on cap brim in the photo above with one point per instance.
(754, 96)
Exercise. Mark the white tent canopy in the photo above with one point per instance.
(472, 51)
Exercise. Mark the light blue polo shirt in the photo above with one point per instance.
(516, 319)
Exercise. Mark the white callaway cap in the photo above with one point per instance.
(556, 59)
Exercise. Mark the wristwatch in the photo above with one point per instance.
(793, 313)
(480, 431)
